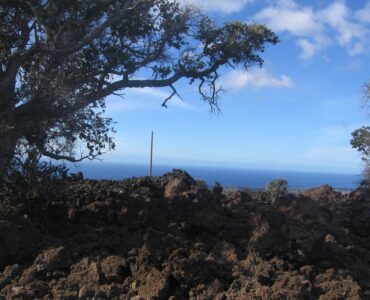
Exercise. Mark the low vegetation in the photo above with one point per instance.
(277, 188)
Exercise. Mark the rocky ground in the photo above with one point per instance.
(170, 237)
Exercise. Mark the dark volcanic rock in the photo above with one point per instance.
(291, 227)
(170, 238)
(19, 241)
(177, 183)
(324, 193)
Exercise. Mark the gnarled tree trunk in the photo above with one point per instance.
(8, 142)
(8, 136)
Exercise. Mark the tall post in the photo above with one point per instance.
(151, 157)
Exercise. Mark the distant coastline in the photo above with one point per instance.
(253, 179)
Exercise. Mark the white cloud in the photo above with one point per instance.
(224, 6)
(148, 91)
(258, 78)
(288, 16)
(308, 47)
(343, 156)
(162, 95)
(364, 13)
(144, 99)
(335, 134)
(348, 33)
(318, 29)
(332, 148)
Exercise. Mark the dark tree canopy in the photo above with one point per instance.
(60, 59)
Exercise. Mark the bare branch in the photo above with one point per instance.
(174, 93)
(65, 157)
(212, 96)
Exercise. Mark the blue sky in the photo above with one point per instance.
(296, 113)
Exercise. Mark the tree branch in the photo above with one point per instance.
(174, 93)
(65, 157)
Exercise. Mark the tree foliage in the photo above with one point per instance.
(277, 187)
(59, 60)
(361, 139)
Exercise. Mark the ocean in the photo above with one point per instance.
(228, 177)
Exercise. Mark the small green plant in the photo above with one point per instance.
(277, 188)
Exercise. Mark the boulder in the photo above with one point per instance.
(19, 241)
(177, 183)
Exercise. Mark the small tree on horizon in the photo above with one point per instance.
(59, 60)
(277, 188)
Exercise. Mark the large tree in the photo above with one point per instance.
(59, 60)
(361, 139)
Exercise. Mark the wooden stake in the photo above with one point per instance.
(151, 157)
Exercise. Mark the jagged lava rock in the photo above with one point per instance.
(169, 238)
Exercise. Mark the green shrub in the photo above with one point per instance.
(277, 188)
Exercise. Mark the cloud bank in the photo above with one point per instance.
(318, 29)
(258, 78)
